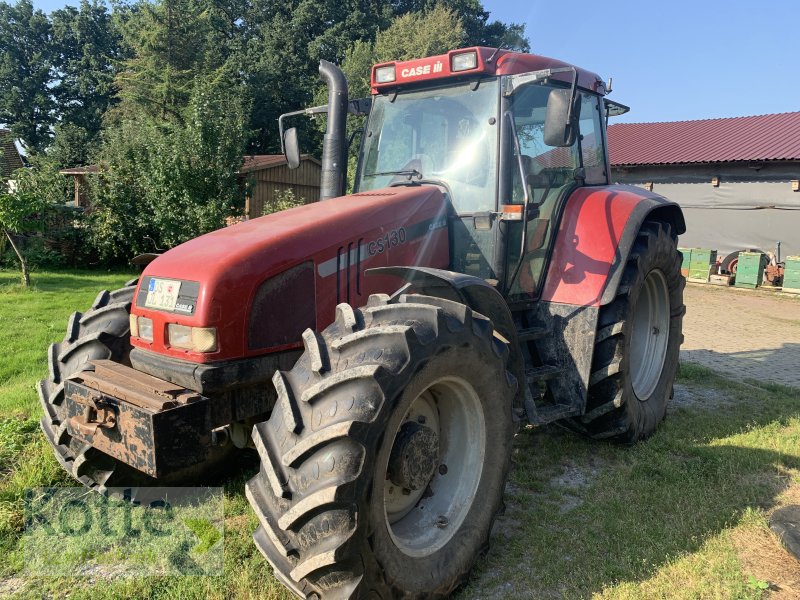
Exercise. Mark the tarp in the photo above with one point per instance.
(738, 215)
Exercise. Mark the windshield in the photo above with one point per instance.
(446, 135)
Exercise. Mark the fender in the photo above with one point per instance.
(594, 241)
(473, 292)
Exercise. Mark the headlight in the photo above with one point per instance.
(142, 327)
(197, 339)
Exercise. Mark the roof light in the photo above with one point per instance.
(385, 74)
(464, 61)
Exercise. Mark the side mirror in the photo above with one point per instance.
(291, 148)
(560, 128)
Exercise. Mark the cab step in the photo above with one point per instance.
(530, 334)
(541, 415)
(543, 373)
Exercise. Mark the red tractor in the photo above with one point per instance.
(383, 347)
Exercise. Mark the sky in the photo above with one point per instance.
(670, 60)
(673, 60)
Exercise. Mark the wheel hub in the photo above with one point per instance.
(414, 456)
(649, 334)
(434, 466)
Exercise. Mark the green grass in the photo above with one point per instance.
(663, 519)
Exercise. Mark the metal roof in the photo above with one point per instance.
(756, 138)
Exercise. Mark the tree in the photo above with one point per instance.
(420, 34)
(478, 30)
(26, 101)
(71, 146)
(166, 42)
(283, 53)
(170, 180)
(22, 208)
(86, 45)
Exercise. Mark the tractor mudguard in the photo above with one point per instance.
(598, 229)
(474, 292)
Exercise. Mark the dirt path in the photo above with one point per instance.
(742, 333)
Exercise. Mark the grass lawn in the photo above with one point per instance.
(683, 515)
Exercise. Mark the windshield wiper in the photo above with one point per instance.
(409, 172)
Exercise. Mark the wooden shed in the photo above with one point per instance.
(79, 175)
(269, 177)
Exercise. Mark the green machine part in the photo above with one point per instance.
(687, 260)
(750, 269)
(791, 274)
(700, 262)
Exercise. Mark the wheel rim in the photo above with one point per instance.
(650, 335)
(423, 520)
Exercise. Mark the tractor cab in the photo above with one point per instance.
(505, 136)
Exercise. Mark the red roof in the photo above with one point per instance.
(256, 162)
(763, 137)
(10, 159)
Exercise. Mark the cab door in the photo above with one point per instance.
(550, 174)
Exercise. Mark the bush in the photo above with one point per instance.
(282, 201)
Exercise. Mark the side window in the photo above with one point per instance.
(592, 140)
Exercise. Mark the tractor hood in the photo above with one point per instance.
(275, 273)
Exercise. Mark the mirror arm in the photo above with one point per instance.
(572, 94)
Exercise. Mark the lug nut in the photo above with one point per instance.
(442, 522)
(421, 419)
(442, 469)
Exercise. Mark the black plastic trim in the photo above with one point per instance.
(665, 210)
(212, 378)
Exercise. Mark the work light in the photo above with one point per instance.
(385, 74)
(464, 61)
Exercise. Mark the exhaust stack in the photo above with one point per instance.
(334, 152)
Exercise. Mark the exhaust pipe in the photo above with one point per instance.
(334, 151)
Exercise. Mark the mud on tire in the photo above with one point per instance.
(616, 409)
(320, 494)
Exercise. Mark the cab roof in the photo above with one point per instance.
(489, 62)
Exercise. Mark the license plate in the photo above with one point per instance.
(162, 294)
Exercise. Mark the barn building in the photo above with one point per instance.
(268, 178)
(737, 179)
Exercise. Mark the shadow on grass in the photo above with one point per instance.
(630, 512)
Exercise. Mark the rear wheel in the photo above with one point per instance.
(637, 343)
(384, 460)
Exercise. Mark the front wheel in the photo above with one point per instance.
(385, 458)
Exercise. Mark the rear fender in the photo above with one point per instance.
(474, 292)
(594, 241)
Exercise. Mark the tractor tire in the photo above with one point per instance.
(638, 338)
(103, 332)
(384, 461)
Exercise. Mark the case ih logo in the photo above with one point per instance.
(436, 67)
